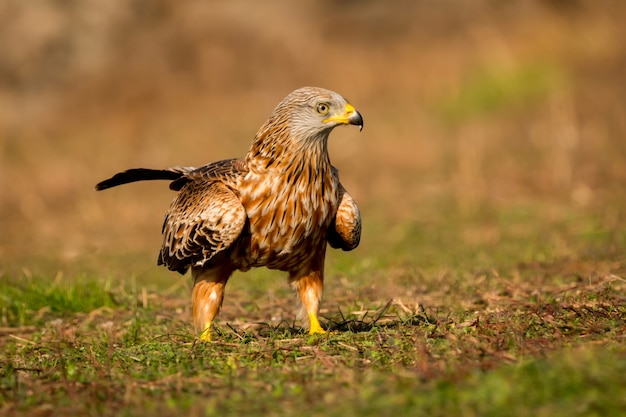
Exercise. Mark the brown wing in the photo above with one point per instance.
(226, 171)
(345, 230)
(204, 219)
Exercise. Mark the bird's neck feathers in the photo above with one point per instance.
(276, 145)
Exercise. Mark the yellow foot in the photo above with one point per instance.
(205, 336)
(314, 327)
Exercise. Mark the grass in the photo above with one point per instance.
(488, 91)
(27, 302)
(406, 364)
(523, 337)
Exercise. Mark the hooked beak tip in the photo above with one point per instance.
(356, 119)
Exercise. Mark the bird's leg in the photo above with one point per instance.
(207, 297)
(309, 287)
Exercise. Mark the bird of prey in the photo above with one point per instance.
(276, 207)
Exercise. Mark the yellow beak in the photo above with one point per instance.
(349, 116)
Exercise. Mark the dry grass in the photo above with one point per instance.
(470, 107)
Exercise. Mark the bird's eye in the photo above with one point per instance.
(323, 108)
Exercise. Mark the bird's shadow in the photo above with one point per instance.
(381, 318)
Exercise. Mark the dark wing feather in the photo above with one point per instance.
(205, 219)
(143, 174)
(345, 230)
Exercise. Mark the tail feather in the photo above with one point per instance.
(143, 174)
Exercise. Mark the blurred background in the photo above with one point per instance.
(472, 109)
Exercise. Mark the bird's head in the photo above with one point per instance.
(312, 112)
(300, 125)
